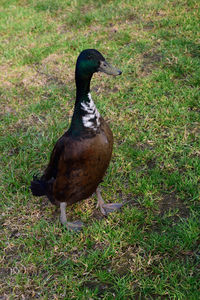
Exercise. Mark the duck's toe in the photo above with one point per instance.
(111, 207)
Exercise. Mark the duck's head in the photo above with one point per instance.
(91, 61)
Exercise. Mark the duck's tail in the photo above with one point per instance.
(39, 187)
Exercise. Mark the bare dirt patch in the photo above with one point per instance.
(5, 71)
(102, 287)
(149, 62)
(133, 259)
(55, 70)
(51, 71)
(25, 75)
(172, 202)
(4, 272)
(30, 77)
(148, 26)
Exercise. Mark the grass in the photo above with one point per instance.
(149, 250)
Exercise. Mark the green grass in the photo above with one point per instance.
(149, 250)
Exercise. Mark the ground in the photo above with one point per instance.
(150, 249)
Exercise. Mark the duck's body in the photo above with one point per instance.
(81, 156)
(78, 164)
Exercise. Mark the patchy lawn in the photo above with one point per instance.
(150, 249)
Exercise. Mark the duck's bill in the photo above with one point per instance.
(105, 67)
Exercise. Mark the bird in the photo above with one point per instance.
(81, 156)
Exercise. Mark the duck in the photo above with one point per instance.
(81, 156)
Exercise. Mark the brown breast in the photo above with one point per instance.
(83, 165)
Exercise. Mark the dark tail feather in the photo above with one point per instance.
(38, 187)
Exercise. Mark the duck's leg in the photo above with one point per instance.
(106, 208)
(75, 226)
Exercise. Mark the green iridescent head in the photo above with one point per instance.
(91, 61)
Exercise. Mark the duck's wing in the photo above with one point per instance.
(52, 168)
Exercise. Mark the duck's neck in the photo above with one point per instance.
(86, 116)
(82, 85)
